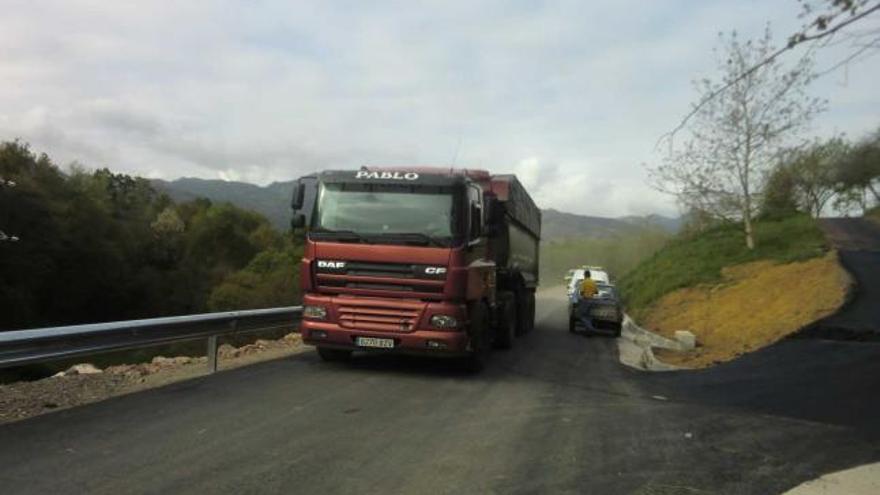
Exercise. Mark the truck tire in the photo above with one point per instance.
(506, 321)
(525, 312)
(331, 355)
(480, 334)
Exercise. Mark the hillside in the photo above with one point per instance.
(557, 225)
(697, 259)
(735, 300)
(273, 201)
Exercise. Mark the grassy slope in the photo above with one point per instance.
(691, 260)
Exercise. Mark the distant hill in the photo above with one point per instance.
(560, 225)
(273, 201)
(665, 223)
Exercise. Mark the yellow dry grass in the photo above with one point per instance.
(757, 304)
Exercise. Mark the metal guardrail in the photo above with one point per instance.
(19, 347)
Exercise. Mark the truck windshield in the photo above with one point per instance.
(392, 213)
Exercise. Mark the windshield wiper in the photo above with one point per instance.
(416, 236)
(339, 235)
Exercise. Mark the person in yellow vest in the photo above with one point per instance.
(580, 315)
(588, 286)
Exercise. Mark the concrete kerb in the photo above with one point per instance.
(862, 480)
(635, 347)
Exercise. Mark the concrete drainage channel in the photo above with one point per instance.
(635, 346)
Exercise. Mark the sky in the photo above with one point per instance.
(571, 96)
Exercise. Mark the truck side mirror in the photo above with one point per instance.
(298, 221)
(494, 217)
(476, 222)
(299, 191)
(303, 201)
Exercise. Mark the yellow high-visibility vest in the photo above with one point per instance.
(589, 288)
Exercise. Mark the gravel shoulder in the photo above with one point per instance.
(85, 384)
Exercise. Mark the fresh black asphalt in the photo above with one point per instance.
(858, 244)
(557, 414)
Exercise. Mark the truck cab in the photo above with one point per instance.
(415, 261)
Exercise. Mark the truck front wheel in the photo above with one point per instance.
(330, 355)
(480, 336)
(525, 312)
(506, 320)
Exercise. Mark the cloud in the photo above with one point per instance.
(570, 97)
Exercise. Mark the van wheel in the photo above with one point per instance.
(507, 323)
(331, 355)
(480, 335)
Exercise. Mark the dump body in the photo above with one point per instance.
(517, 245)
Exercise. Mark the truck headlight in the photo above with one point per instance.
(444, 321)
(315, 312)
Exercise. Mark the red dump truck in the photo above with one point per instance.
(428, 261)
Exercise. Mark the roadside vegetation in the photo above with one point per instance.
(752, 265)
(93, 246)
(698, 257)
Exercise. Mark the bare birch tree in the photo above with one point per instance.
(735, 137)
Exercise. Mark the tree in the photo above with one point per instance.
(271, 279)
(780, 194)
(858, 170)
(736, 137)
(826, 20)
(98, 246)
(813, 170)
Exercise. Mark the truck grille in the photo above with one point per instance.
(396, 270)
(369, 278)
(398, 318)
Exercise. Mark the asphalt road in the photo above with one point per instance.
(858, 243)
(557, 414)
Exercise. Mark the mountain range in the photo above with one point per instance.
(273, 201)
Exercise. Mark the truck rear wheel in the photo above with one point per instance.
(507, 320)
(525, 312)
(481, 337)
(330, 355)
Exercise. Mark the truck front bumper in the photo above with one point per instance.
(422, 342)
(420, 338)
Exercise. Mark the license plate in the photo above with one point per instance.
(604, 314)
(374, 342)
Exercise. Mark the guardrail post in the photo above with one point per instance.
(212, 354)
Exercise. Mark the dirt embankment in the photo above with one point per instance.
(84, 383)
(757, 304)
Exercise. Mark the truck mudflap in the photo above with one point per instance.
(432, 342)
